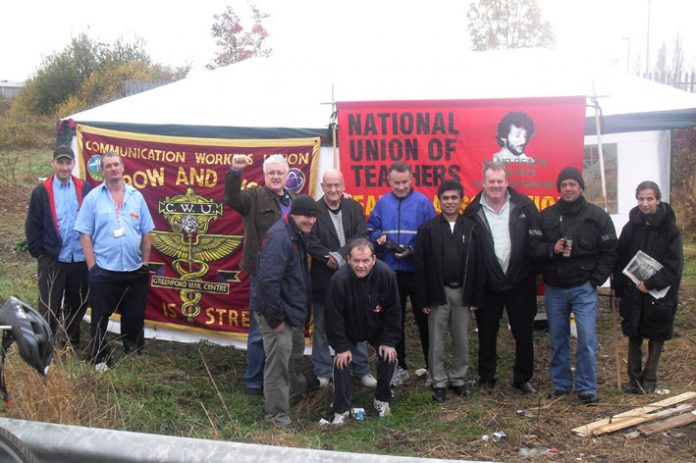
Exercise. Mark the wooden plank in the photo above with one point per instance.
(587, 429)
(642, 418)
(664, 425)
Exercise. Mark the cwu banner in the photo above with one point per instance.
(534, 137)
(196, 286)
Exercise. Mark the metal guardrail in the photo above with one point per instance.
(76, 444)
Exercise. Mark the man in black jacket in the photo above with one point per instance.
(340, 221)
(62, 271)
(363, 305)
(577, 247)
(505, 218)
(449, 280)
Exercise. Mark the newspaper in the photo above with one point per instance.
(640, 268)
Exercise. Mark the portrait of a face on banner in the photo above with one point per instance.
(195, 281)
(534, 137)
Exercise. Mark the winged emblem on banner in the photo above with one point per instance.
(190, 245)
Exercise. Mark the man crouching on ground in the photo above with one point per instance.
(363, 305)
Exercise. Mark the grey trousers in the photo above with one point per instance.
(283, 378)
(639, 374)
(452, 316)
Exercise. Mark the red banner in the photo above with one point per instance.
(196, 284)
(535, 137)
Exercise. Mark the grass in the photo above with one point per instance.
(196, 390)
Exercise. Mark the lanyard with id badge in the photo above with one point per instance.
(119, 231)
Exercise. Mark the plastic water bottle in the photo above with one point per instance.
(358, 414)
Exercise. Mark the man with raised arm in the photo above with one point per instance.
(260, 207)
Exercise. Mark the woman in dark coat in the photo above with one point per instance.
(651, 228)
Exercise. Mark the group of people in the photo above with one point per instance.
(321, 259)
(93, 247)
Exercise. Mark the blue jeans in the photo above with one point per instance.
(256, 357)
(582, 302)
(321, 356)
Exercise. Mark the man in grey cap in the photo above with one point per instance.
(62, 272)
(284, 298)
(576, 246)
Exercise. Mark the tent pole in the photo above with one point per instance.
(334, 127)
(612, 300)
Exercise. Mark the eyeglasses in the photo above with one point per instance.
(275, 173)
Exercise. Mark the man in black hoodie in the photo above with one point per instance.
(505, 219)
(577, 248)
(362, 304)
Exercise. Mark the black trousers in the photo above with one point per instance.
(342, 386)
(125, 291)
(405, 281)
(521, 308)
(62, 296)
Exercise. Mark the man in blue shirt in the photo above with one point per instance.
(62, 272)
(115, 224)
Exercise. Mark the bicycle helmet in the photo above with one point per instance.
(31, 333)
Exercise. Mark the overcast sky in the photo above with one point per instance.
(178, 33)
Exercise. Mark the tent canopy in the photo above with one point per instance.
(272, 97)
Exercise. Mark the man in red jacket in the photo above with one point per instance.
(62, 272)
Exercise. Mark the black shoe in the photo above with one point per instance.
(487, 386)
(460, 390)
(588, 399)
(439, 394)
(632, 389)
(313, 384)
(526, 388)
(556, 394)
(253, 391)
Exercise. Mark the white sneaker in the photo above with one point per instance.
(382, 408)
(340, 418)
(368, 380)
(400, 375)
(101, 367)
(323, 382)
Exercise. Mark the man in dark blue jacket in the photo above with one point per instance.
(284, 296)
(52, 241)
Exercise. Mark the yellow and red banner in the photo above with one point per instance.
(534, 137)
(195, 284)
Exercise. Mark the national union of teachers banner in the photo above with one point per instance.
(534, 137)
(195, 282)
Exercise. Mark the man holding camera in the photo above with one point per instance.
(393, 225)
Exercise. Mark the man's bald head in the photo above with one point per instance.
(333, 186)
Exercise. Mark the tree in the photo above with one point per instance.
(108, 84)
(661, 62)
(62, 75)
(235, 43)
(495, 24)
(677, 56)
